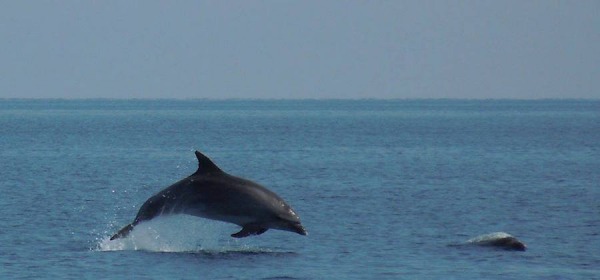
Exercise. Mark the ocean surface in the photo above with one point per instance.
(386, 189)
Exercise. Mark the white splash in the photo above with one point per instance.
(177, 233)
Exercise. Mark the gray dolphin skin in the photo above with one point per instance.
(213, 194)
(499, 239)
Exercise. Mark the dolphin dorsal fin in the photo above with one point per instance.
(205, 165)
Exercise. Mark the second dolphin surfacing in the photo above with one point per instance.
(213, 194)
(499, 240)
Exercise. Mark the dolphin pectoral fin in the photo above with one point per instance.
(250, 229)
(123, 232)
(261, 231)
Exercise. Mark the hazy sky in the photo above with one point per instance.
(300, 49)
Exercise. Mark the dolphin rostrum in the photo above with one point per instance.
(213, 194)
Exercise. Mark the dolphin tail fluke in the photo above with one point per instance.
(123, 232)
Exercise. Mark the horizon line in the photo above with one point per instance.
(289, 99)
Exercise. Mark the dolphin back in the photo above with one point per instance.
(500, 240)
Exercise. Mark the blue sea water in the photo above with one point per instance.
(384, 188)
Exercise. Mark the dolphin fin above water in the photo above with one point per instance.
(205, 165)
(213, 194)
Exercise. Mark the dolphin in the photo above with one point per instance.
(498, 239)
(213, 194)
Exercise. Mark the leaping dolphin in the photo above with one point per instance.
(213, 194)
